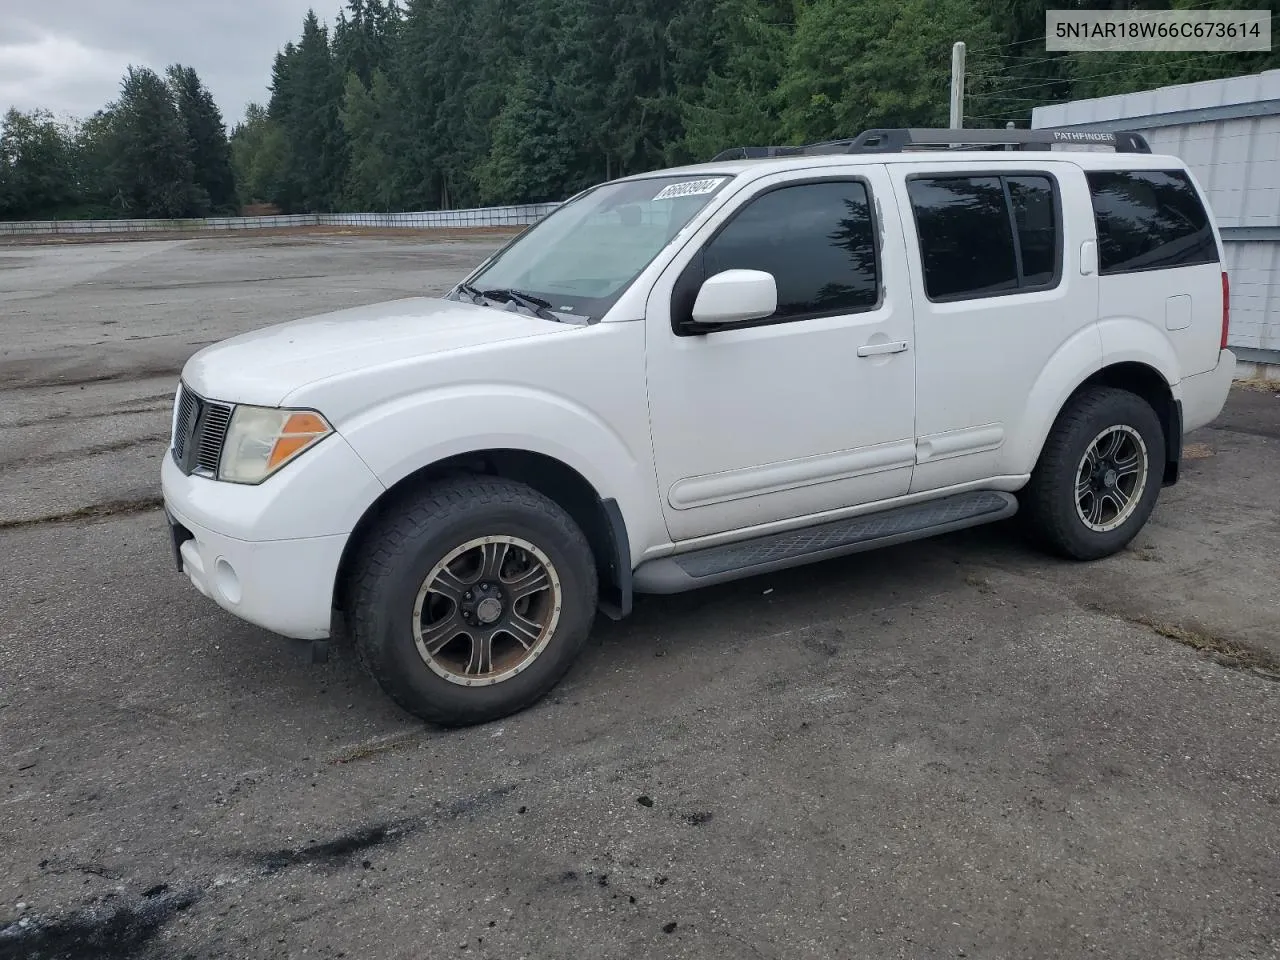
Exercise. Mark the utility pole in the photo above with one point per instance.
(957, 85)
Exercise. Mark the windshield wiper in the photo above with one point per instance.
(537, 305)
(475, 295)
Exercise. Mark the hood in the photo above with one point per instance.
(264, 366)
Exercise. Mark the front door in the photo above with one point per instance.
(812, 409)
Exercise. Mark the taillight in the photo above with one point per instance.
(1226, 310)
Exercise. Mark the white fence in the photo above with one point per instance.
(513, 216)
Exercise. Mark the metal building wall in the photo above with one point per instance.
(1228, 133)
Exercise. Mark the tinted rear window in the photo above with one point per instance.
(1149, 220)
(966, 240)
(986, 235)
(1033, 212)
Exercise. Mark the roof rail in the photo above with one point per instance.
(806, 150)
(757, 153)
(900, 140)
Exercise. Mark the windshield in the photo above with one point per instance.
(583, 256)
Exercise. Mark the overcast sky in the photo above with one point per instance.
(68, 55)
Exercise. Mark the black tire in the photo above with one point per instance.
(404, 548)
(1049, 501)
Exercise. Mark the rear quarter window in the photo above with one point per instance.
(1149, 220)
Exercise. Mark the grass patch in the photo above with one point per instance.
(113, 508)
(1258, 383)
(363, 751)
(981, 584)
(1226, 651)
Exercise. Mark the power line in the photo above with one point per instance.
(1003, 118)
(1093, 76)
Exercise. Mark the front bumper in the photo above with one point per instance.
(269, 554)
(285, 586)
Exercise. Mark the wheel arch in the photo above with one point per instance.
(600, 519)
(1150, 384)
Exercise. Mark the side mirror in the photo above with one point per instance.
(735, 296)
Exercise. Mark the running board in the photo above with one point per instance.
(778, 551)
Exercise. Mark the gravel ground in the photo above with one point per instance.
(950, 748)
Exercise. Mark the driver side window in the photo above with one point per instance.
(818, 240)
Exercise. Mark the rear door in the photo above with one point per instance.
(996, 255)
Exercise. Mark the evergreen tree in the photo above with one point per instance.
(99, 197)
(441, 82)
(736, 101)
(149, 171)
(369, 120)
(37, 165)
(306, 98)
(888, 66)
(364, 36)
(286, 185)
(528, 161)
(453, 103)
(644, 118)
(210, 151)
(588, 48)
(1023, 74)
(260, 158)
(1107, 73)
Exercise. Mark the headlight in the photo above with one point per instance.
(261, 440)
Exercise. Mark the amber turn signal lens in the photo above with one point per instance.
(300, 431)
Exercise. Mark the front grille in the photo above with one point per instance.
(186, 412)
(217, 417)
(200, 430)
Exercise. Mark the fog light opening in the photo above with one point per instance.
(228, 583)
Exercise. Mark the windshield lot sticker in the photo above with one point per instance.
(690, 188)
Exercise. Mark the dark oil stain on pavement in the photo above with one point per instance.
(102, 932)
(475, 804)
(120, 931)
(340, 850)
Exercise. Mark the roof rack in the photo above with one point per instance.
(927, 138)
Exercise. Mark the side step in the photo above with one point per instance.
(778, 551)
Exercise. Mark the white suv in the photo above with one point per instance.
(685, 377)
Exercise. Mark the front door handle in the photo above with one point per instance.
(877, 349)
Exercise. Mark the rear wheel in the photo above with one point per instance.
(1099, 475)
(473, 600)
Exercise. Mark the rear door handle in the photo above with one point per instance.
(1088, 258)
(877, 349)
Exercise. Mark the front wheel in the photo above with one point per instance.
(1099, 475)
(472, 600)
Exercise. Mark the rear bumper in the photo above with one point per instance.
(1205, 394)
(284, 586)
